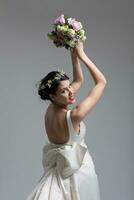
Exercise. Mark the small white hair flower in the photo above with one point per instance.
(61, 71)
(58, 76)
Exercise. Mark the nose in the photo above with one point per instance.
(70, 91)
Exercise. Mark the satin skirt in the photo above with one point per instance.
(73, 177)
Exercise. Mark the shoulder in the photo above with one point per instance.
(52, 113)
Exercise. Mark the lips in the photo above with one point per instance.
(71, 98)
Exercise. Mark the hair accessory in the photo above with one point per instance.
(58, 76)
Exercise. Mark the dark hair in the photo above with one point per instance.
(44, 92)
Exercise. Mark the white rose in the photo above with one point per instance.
(82, 32)
(84, 38)
(59, 28)
(65, 27)
(71, 32)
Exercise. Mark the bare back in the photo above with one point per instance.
(56, 125)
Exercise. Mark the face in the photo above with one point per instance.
(64, 94)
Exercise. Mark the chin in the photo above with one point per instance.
(72, 103)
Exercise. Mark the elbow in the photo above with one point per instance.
(102, 82)
(105, 81)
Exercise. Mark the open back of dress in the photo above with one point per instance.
(69, 171)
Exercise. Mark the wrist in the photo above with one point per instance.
(80, 53)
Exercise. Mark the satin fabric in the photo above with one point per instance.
(69, 170)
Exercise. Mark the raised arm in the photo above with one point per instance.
(95, 72)
(78, 78)
(86, 105)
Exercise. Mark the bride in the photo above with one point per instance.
(69, 171)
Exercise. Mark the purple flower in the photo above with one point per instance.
(71, 20)
(60, 19)
(75, 24)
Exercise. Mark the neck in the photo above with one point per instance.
(61, 106)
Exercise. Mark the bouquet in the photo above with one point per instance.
(67, 32)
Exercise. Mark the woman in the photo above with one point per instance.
(69, 171)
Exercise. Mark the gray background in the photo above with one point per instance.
(26, 56)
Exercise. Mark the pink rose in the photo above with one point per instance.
(71, 20)
(75, 24)
(60, 19)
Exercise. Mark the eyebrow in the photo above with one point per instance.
(65, 87)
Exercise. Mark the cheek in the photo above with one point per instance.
(64, 95)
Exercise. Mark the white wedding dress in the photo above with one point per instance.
(69, 171)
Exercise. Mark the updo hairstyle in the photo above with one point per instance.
(44, 89)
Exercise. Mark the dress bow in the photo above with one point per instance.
(67, 158)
